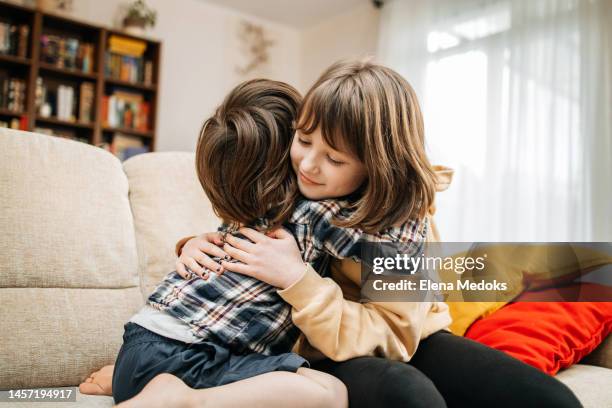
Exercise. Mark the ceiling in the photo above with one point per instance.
(294, 13)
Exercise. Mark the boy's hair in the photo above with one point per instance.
(242, 155)
(372, 111)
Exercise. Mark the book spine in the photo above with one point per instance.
(104, 111)
(148, 72)
(12, 46)
(24, 34)
(112, 111)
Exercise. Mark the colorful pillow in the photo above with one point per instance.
(466, 313)
(547, 335)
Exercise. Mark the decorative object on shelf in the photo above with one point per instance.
(255, 45)
(56, 6)
(138, 17)
(45, 110)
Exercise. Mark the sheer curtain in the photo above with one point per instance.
(516, 96)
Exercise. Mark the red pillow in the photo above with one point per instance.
(547, 335)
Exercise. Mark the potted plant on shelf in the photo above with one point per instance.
(138, 17)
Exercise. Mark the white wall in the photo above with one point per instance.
(200, 52)
(199, 55)
(353, 34)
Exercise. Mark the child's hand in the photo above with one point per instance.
(196, 254)
(274, 259)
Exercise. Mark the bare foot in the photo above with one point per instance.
(99, 382)
(163, 391)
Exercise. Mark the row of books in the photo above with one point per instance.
(128, 69)
(126, 110)
(12, 94)
(61, 101)
(14, 39)
(64, 52)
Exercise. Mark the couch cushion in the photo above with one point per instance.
(68, 265)
(590, 384)
(168, 204)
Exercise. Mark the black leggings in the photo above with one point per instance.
(448, 370)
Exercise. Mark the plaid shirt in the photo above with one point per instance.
(248, 315)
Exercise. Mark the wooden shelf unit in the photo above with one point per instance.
(31, 67)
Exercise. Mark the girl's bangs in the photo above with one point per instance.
(322, 108)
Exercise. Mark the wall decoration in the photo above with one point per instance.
(255, 46)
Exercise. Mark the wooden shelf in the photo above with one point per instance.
(67, 72)
(15, 60)
(64, 123)
(129, 131)
(132, 85)
(6, 112)
(29, 69)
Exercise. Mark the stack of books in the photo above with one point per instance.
(12, 94)
(124, 109)
(66, 53)
(14, 39)
(125, 61)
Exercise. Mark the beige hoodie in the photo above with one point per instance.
(336, 325)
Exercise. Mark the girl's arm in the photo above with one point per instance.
(342, 329)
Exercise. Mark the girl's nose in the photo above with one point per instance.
(309, 164)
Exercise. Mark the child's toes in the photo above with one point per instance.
(91, 389)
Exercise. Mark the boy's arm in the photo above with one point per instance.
(342, 242)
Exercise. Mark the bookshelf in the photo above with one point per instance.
(78, 80)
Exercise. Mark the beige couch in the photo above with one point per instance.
(84, 237)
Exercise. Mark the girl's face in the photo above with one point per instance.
(323, 172)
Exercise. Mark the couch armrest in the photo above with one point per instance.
(602, 355)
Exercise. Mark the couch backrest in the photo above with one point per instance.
(69, 271)
(168, 203)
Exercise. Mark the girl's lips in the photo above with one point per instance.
(307, 180)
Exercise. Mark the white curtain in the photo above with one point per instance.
(516, 96)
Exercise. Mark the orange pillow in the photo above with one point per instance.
(547, 335)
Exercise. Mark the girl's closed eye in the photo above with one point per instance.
(334, 161)
(304, 141)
